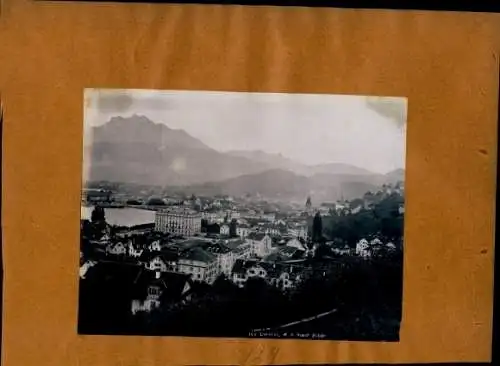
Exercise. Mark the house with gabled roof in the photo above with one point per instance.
(282, 275)
(271, 230)
(117, 248)
(224, 229)
(363, 248)
(224, 255)
(240, 248)
(289, 253)
(133, 250)
(199, 264)
(243, 230)
(154, 289)
(298, 230)
(155, 246)
(160, 261)
(260, 244)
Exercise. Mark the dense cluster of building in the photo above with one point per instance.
(176, 251)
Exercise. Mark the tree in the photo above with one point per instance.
(98, 215)
(133, 202)
(98, 219)
(322, 251)
(87, 230)
(213, 228)
(317, 228)
(232, 228)
(113, 229)
(156, 202)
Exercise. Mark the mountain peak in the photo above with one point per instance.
(140, 129)
(137, 119)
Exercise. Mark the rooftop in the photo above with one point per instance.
(172, 284)
(197, 254)
(234, 243)
(178, 211)
(256, 236)
(216, 248)
(273, 269)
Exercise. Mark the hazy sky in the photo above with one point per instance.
(368, 132)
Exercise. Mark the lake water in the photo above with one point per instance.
(123, 216)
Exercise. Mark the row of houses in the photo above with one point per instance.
(167, 272)
(367, 249)
(279, 229)
(203, 259)
(285, 276)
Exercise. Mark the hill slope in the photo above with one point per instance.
(137, 150)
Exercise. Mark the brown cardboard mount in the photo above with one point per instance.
(445, 63)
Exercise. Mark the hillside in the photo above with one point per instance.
(280, 184)
(137, 150)
(278, 161)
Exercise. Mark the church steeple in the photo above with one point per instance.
(308, 204)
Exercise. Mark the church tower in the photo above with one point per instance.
(308, 205)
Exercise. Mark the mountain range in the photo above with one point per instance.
(137, 150)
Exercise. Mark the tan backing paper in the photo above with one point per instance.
(445, 63)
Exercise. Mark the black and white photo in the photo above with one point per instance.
(242, 215)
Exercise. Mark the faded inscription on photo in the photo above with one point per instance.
(242, 215)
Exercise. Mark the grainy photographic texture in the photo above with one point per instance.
(224, 214)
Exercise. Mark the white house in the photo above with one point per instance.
(272, 230)
(345, 250)
(243, 270)
(155, 246)
(224, 256)
(281, 276)
(157, 264)
(270, 216)
(260, 244)
(133, 251)
(298, 232)
(239, 248)
(363, 248)
(234, 215)
(116, 249)
(376, 247)
(242, 231)
(151, 302)
(164, 287)
(224, 229)
(200, 264)
(209, 216)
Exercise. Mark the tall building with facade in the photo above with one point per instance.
(178, 221)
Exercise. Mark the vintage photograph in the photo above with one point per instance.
(242, 215)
